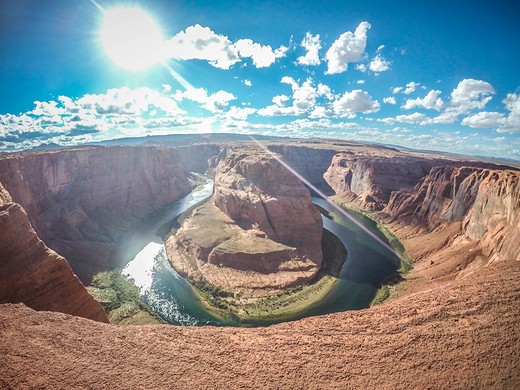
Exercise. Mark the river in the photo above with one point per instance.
(174, 299)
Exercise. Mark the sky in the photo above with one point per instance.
(435, 75)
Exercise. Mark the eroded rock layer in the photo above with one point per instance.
(32, 273)
(370, 179)
(482, 203)
(261, 231)
(83, 201)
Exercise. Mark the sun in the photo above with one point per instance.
(131, 38)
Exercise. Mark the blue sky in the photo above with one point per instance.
(428, 75)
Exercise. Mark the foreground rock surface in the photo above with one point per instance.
(463, 334)
(34, 274)
(261, 231)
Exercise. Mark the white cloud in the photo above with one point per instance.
(167, 87)
(472, 93)
(355, 101)
(484, 119)
(360, 81)
(469, 94)
(361, 67)
(262, 56)
(201, 43)
(347, 48)
(389, 100)
(410, 87)
(312, 44)
(247, 82)
(430, 101)
(215, 102)
(280, 100)
(396, 90)
(240, 113)
(379, 64)
(512, 121)
(412, 118)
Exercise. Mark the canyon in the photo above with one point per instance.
(458, 219)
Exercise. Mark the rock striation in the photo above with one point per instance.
(485, 202)
(260, 232)
(83, 201)
(369, 179)
(32, 273)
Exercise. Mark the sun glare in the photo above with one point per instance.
(131, 38)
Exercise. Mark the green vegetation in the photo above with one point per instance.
(382, 294)
(285, 304)
(120, 299)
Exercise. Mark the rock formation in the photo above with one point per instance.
(370, 179)
(32, 273)
(260, 233)
(83, 201)
(485, 202)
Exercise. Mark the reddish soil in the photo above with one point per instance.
(463, 333)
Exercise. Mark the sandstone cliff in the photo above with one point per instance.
(82, 201)
(309, 161)
(32, 273)
(480, 207)
(261, 231)
(370, 179)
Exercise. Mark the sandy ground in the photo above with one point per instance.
(460, 334)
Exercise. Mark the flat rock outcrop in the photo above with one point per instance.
(83, 201)
(32, 273)
(260, 232)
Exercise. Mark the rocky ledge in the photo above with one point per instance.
(260, 233)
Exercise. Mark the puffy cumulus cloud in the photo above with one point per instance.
(120, 101)
(389, 100)
(312, 44)
(304, 98)
(240, 113)
(247, 82)
(280, 100)
(361, 67)
(215, 102)
(512, 121)
(360, 82)
(411, 87)
(472, 93)
(379, 64)
(469, 94)
(396, 90)
(430, 101)
(348, 48)
(355, 101)
(262, 56)
(201, 43)
(484, 119)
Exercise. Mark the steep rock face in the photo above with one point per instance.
(308, 161)
(260, 233)
(485, 201)
(82, 201)
(369, 180)
(254, 189)
(202, 158)
(32, 273)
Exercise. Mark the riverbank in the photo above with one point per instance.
(388, 286)
(284, 306)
